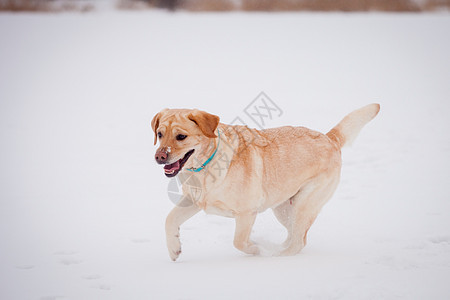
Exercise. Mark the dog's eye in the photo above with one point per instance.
(181, 137)
(159, 134)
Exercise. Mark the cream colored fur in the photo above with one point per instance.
(292, 170)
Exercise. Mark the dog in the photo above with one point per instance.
(241, 172)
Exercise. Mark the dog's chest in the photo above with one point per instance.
(214, 210)
(214, 206)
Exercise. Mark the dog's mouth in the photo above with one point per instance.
(173, 169)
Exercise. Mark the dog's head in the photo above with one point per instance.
(183, 135)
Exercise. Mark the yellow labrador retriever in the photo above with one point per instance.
(241, 172)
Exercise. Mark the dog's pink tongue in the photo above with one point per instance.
(174, 166)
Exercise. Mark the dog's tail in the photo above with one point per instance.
(346, 131)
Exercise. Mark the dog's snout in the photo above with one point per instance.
(161, 157)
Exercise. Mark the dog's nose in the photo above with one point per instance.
(161, 157)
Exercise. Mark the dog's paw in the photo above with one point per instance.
(253, 249)
(248, 247)
(291, 250)
(174, 247)
(175, 254)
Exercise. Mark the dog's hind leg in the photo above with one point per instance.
(283, 213)
(307, 204)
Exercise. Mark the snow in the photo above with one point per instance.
(83, 203)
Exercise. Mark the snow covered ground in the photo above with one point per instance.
(83, 204)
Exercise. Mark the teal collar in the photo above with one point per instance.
(208, 160)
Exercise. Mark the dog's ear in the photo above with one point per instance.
(155, 124)
(206, 122)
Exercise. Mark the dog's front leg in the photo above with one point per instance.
(176, 217)
(244, 224)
